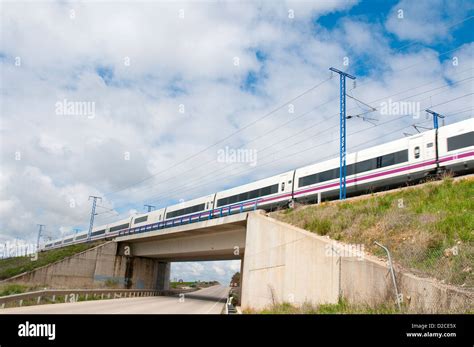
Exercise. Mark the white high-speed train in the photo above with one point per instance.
(391, 164)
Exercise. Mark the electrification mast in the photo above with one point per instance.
(342, 125)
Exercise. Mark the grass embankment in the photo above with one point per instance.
(13, 266)
(341, 307)
(429, 229)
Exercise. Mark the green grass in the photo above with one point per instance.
(10, 289)
(342, 307)
(417, 225)
(175, 285)
(15, 288)
(14, 266)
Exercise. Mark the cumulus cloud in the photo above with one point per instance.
(426, 21)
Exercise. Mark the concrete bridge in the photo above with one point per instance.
(279, 263)
(213, 239)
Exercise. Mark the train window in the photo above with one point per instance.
(350, 169)
(233, 199)
(68, 240)
(207, 205)
(140, 219)
(159, 218)
(461, 141)
(379, 162)
(80, 237)
(429, 145)
(186, 210)
(417, 152)
(253, 194)
(100, 232)
(365, 165)
(387, 160)
(243, 196)
(401, 156)
(328, 175)
(119, 227)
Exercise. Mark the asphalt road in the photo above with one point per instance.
(204, 301)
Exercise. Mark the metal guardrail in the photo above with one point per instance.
(195, 218)
(74, 295)
(251, 205)
(229, 306)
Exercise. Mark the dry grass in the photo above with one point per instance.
(419, 225)
(342, 307)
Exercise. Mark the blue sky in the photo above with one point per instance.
(166, 86)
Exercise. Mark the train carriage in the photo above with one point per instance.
(456, 147)
(266, 193)
(189, 211)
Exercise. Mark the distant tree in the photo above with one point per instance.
(235, 281)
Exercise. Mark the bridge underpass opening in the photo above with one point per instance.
(208, 241)
(203, 273)
(214, 278)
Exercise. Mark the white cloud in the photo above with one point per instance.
(426, 21)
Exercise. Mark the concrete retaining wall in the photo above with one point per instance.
(283, 263)
(286, 264)
(97, 267)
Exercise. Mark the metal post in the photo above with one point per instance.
(392, 273)
(342, 131)
(41, 226)
(342, 138)
(91, 224)
(435, 126)
(435, 118)
(150, 207)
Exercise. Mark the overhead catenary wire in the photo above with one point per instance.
(226, 137)
(273, 144)
(300, 152)
(357, 146)
(318, 122)
(250, 124)
(333, 154)
(213, 174)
